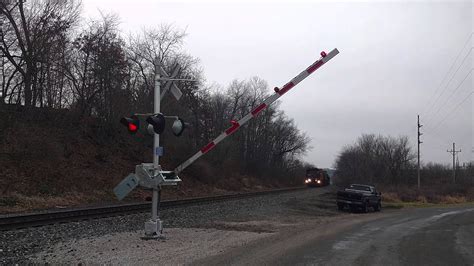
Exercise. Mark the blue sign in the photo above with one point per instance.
(159, 151)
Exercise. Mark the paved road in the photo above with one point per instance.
(432, 236)
(429, 236)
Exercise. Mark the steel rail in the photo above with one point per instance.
(19, 221)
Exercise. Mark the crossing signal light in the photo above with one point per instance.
(132, 123)
(178, 127)
(157, 121)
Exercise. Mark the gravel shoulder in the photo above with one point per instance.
(180, 246)
(191, 232)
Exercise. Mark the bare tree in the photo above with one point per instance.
(97, 70)
(270, 144)
(166, 44)
(31, 36)
(376, 159)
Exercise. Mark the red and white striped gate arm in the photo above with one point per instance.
(278, 93)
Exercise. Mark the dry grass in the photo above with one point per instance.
(21, 203)
(453, 199)
(421, 199)
(427, 196)
(390, 197)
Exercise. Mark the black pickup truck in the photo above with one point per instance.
(358, 196)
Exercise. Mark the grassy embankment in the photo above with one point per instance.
(429, 196)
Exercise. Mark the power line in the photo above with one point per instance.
(453, 110)
(447, 85)
(453, 92)
(440, 140)
(435, 140)
(446, 75)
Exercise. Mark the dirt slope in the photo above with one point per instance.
(51, 158)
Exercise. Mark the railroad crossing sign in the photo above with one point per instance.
(170, 81)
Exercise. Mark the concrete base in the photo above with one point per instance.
(153, 229)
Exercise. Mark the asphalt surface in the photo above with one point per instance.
(426, 236)
(431, 236)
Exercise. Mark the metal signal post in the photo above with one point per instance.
(154, 225)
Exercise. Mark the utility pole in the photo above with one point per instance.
(454, 152)
(419, 142)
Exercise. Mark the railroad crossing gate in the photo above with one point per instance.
(151, 176)
(235, 125)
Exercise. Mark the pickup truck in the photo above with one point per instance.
(358, 196)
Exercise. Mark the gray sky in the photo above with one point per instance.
(393, 58)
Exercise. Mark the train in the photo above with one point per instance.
(316, 177)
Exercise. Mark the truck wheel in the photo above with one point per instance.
(340, 206)
(353, 208)
(378, 207)
(365, 208)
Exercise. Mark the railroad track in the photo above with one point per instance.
(18, 221)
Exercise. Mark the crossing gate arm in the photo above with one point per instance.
(267, 102)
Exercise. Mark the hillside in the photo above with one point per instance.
(53, 158)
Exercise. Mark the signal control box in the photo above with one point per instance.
(150, 177)
(146, 176)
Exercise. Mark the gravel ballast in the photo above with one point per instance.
(219, 225)
(180, 246)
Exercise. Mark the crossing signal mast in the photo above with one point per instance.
(150, 175)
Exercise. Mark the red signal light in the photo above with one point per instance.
(132, 127)
(132, 123)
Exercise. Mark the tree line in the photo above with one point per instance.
(53, 58)
(387, 160)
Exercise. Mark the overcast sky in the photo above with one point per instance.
(396, 61)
